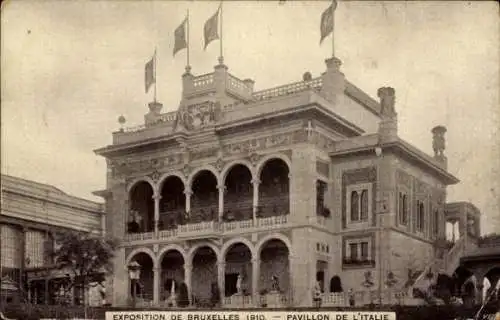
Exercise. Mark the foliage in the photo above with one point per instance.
(84, 256)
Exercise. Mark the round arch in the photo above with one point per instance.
(136, 251)
(274, 236)
(167, 175)
(136, 181)
(225, 248)
(230, 165)
(192, 251)
(269, 157)
(171, 247)
(193, 175)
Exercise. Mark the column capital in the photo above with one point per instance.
(156, 269)
(255, 181)
(188, 192)
(289, 176)
(188, 266)
(255, 261)
(221, 188)
(156, 197)
(221, 263)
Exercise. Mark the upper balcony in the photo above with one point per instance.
(219, 98)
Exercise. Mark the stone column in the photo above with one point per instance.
(479, 288)
(222, 190)
(156, 285)
(255, 183)
(188, 194)
(221, 274)
(188, 271)
(255, 280)
(157, 199)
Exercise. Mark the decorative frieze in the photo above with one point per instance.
(198, 153)
(128, 167)
(252, 145)
(323, 142)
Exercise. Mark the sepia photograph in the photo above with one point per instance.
(250, 160)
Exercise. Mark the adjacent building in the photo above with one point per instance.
(260, 197)
(31, 214)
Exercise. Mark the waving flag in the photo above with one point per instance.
(210, 30)
(180, 37)
(327, 21)
(149, 73)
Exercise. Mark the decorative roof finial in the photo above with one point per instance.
(387, 97)
(121, 121)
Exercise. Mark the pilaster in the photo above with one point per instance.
(255, 278)
(303, 184)
(188, 272)
(120, 288)
(156, 199)
(188, 194)
(222, 190)
(156, 284)
(255, 183)
(221, 272)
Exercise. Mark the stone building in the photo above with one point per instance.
(260, 195)
(31, 214)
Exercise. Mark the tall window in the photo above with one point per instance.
(359, 205)
(11, 247)
(364, 205)
(321, 188)
(353, 247)
(403, 209)
(420, 223)
(435, 223)
(354, 206)
(364, 250)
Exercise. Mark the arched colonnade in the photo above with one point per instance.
(239, 191)
(204, 265)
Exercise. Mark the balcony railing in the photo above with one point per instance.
(211, 229)
(288, 89)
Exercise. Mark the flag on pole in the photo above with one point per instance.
(149, 73)
(210, 30)
(180, 37)
(327, 21)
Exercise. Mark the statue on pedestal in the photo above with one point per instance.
(275, 286)
(238, 285)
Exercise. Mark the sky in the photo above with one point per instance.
(70, 69)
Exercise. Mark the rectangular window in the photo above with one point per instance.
(364, 250)
(435, 226)
(353, 247)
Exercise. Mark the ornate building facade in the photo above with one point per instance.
(260, 196)
(31, 214)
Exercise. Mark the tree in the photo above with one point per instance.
(85, 257)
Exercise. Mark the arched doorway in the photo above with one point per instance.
(238, 197)
(172, 203)
(336, 284)
(238, 263)
(205, 197)
(274, 262)
(204, 275)
(144, 286)
(274, 189)
(172, 274)
(141, 209)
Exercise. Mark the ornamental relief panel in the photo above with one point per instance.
(404, 179)
(322, 141)
(277, 140)
(130, 167)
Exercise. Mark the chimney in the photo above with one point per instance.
(333, 81)
(388, 125)
(439, 144)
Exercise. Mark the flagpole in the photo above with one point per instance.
(187, 32)
(221, 58)
(333, 28)
(154, 74)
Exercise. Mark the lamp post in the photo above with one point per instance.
(134, 271)
(378, 153)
